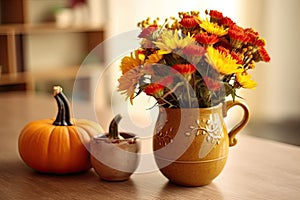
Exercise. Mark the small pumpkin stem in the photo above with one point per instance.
(113, 128)
(63, 117)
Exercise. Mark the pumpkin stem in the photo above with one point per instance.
(113, 128)
(63, 117)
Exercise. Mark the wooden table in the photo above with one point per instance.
(256, 168)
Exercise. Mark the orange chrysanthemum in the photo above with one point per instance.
(157, 89)
(223, 50)
(128, 82)
(154, 58)
(226, 21)
(252, 35)
(223, 43)
(260, 42)
(130, 62)
(264, 54)
(154, 89)
(237, 36)
(216, 16)
(236, 57)
(184, 69)
(189, 21)
(206, 39)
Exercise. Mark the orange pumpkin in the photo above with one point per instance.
(58, 146)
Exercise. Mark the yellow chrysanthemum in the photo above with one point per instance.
(213, 28)
(224, 63)
(171, 41)
(245, 81)
(131, 62)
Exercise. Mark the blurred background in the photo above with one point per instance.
(46, 42)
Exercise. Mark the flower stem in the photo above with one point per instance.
(188, 93)
(166, 101)
(173, 90)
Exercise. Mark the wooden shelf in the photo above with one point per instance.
(27, 46)
(64, 73)
(11, 79)
(15, 78)
(50, 27)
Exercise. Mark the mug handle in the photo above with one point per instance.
(237, 128)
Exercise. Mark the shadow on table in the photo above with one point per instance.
(210, 191)
(286, 131)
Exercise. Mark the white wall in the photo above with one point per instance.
(277, 96)
(283, 30)
(125, 14)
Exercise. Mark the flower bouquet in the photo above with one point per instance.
(190, 62)
(190, 65)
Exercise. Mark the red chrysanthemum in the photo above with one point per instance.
(237, 33)
(260, 42)
(154, 89)
(184, 69)
(189, 21)
(194, 50)
(252, 35)
(236, 57)
(237, 28)
(211, 84)
(226, 21)
(264, 54)
(148, 31)
(237, 36)
(206, 39)
(223, 42)
(223, 50)
(215, 15)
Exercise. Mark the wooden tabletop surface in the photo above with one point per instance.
(256, 168)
